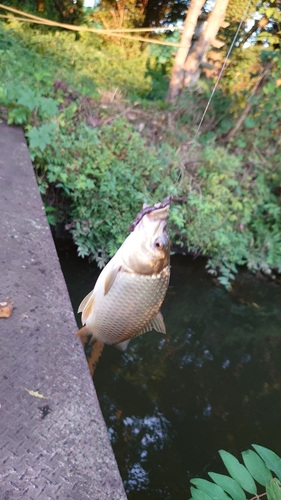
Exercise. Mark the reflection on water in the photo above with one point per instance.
(214, 381)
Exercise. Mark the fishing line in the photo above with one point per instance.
(222, 69)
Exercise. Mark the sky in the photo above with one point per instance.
(89, 3)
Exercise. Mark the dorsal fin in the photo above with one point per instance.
(110, 278)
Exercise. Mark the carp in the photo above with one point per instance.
(129, 292)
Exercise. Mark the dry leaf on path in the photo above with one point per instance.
(6, 308)
(35, 394)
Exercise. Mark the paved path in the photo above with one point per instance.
(57, 447)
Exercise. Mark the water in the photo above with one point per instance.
(213, 382)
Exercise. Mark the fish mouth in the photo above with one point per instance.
(161, 208)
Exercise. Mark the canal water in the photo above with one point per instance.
(213, 382)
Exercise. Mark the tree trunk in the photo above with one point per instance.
(177, 78)
(200, 48)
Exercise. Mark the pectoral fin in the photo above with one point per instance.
(86, 307)
(110, 278)
(84, 302)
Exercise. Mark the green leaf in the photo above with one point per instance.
(229, 485)
(199, 495)
(18, 116)
(249, 123)
(51, 219)
(269, 12)
(28, 98)
(273, 489)
(272, 460)
(40, 137)
(215, 491)
(270, 87)
(238, 472)
(48, 106)
(256, 467)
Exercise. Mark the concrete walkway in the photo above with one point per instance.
(57, 447)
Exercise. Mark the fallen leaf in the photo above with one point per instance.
(6, 308)
(254, 304)
(35, 394)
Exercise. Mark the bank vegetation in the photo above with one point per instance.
(107, 130)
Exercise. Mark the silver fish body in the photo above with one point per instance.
(129, 292)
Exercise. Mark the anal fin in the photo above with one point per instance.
(157, 323)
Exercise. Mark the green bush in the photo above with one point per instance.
(228, 213)
(242, 479)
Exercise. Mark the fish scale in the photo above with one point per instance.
(143, 296)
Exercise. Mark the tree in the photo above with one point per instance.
(139, 13)
(186, 70)
(199, 50)
(70, 11)
(115, 15)
(190, 23)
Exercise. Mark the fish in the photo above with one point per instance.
(130, 290)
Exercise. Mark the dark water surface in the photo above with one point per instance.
(214, 381)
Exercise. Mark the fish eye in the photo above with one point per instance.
(158, 244)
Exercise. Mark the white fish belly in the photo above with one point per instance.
(131, 303)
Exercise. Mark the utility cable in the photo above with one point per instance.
(112, 32)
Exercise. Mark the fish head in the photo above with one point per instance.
(147, 248)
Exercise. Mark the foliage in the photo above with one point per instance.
(159, 65)
(51, 55)
(66, 11)
(236, 9)
(139, 13)
(260, 22)
(113, 15)
(106, 174)
(95, 169)
(233, 214)
(242, 479)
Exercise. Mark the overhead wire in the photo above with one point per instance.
(26, 17)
